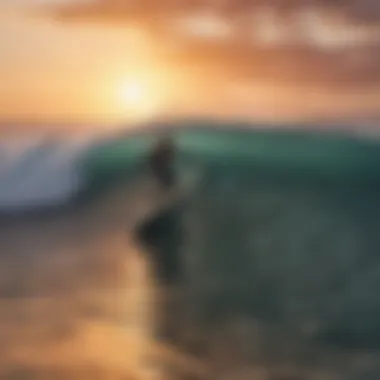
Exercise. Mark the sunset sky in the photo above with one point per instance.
(105, 60)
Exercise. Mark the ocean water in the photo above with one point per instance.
(274, 238)
(38, 170)
(43, 169)
(74, 287)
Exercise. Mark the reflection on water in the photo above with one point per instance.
(270, 274)
(74, 296)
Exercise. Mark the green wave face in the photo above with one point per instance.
(278, 153)
(282, 225)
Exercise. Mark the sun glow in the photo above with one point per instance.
(144, 93)
(140, 98)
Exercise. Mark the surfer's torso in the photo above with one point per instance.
(161, 163)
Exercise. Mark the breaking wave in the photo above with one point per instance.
(35, 172)
(40, 172)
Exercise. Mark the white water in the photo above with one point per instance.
(37, 172)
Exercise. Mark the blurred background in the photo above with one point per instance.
(262, 262)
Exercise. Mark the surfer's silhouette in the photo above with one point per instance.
(161, 162)
(162, 236)
(161, 233)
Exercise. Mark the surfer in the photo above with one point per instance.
(161, 233)
(161, 162)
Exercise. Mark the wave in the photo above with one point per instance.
(38, 173)
(41, 172)
(275, 236)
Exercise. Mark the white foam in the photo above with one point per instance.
(39, 173)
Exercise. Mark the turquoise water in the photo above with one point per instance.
(270, 153)
(279, 234)
(284, 222)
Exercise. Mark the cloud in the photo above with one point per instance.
(363, 10)
(356, 10)
(324, 24)
(321, 40)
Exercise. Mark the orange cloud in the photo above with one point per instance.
(320, 45)
(325, 24)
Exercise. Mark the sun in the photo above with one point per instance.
(139, 98)
(134, 93)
